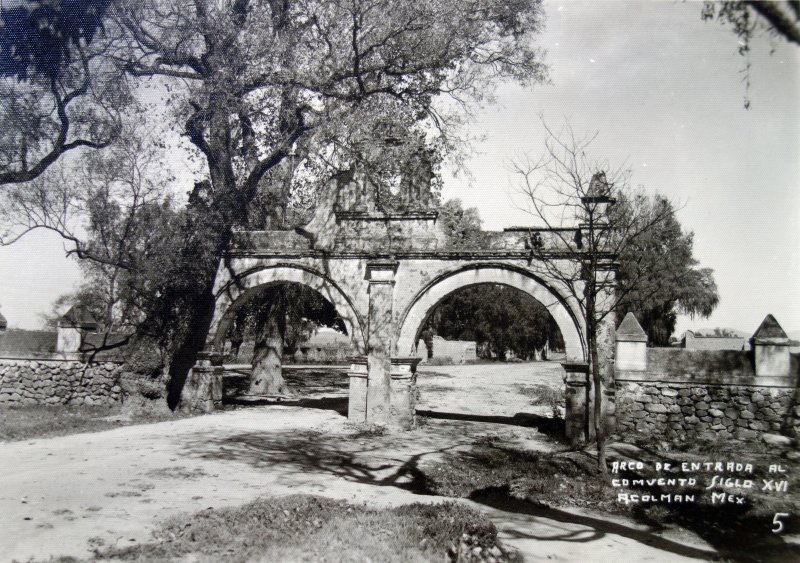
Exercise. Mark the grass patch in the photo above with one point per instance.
(310, 528)
(560, 479)
(44, 421)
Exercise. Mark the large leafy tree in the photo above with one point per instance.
(59, 88)
(255, 83)
(277, 96)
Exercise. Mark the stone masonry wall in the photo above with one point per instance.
(52, 382)
(681, 410)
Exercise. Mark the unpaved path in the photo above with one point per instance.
(65, 496)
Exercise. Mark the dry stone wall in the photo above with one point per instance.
(681, 411)
(53, 382)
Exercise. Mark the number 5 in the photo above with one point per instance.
(777, 522)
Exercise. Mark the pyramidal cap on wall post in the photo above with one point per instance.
(770, 346)
(631, 345)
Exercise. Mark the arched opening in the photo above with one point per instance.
(238, 292)
(519, 392)
(489, 322)
(282, 315)
(562, 309)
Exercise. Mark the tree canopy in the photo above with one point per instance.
(658, 275)
(60, 89)
(275, 98)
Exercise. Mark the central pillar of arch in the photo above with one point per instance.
(380, 329)
(382, 388)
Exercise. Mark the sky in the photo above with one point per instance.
(664, 92)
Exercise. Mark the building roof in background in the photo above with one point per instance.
(17, 343)
(78, 316)
(41, 344)
(326, 337)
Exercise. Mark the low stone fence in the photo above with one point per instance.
(26, 382)
(681, 408)
(687, 394)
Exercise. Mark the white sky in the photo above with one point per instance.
(664, 91)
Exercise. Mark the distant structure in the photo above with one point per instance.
(326, 345)
(692, 341)
(460, 351)
(75, 337)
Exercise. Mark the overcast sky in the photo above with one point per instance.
(664, 91)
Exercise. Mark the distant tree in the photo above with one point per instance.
(119, 220)
(462, 226)
(569, 193)
(658, 274)
(59, 89)
(723, 333)
(496, 317)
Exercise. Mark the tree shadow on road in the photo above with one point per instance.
(595, 528)
(310, 453)
(368, 462)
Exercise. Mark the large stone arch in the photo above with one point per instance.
(560, 307)
(248, 285)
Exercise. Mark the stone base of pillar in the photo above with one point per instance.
(578, 413)
(403, 411)
(402, 394)
(202, 391)
(357, 402)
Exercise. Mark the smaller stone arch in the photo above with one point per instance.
(432, 294)
(235, 293)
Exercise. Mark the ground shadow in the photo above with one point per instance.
(306, 453)
(501, 499)
(315, 455)
(553, 427)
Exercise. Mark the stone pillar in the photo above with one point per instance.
(578, 412)
(606, 343)
(357, 402)
(203, 388)
(770, 346)
(404, 393)
(380, 331)
(631, 345)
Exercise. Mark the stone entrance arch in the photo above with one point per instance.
(562, 310)
(384, 272)
(241, 289)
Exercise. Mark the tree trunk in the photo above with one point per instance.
(193, 342)
(267, 378)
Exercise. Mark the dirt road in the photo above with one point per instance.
(69, 495)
